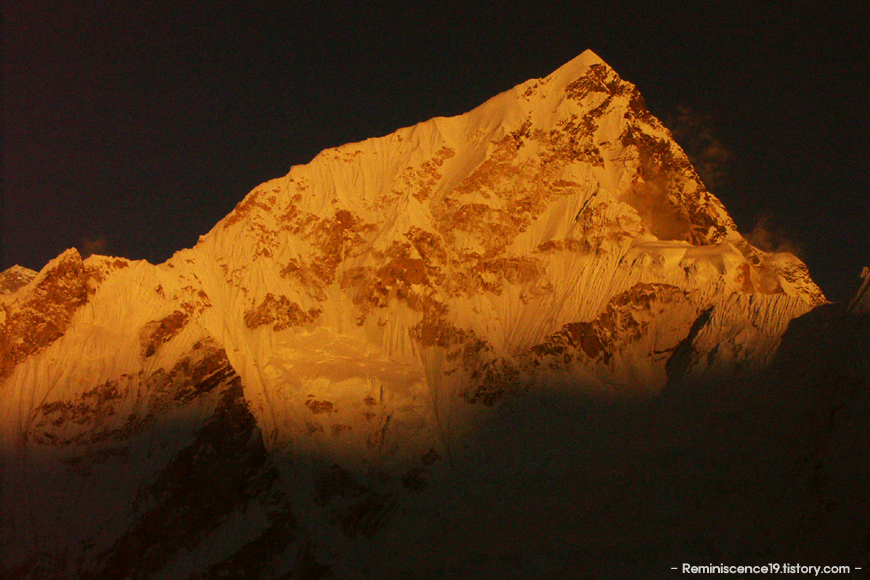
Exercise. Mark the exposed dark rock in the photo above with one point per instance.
(158, 332)
(43, 315)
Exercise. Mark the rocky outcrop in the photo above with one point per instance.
(39, 317)
(14, 278)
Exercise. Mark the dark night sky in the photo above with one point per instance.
(130, 128)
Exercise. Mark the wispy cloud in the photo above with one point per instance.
(770, 237)
(90, 246)
(696, 134)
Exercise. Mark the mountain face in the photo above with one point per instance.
(349, 362)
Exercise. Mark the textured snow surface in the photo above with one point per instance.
(352, 332)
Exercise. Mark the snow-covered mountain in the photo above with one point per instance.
(321, 384)
(14, 278)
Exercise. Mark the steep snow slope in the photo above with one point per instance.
(359, 320)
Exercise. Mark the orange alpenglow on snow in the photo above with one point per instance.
(331, 347)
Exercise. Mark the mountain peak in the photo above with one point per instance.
(14, 278)
(564, 190)
(578, 66)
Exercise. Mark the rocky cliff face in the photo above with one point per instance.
(298, 391)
